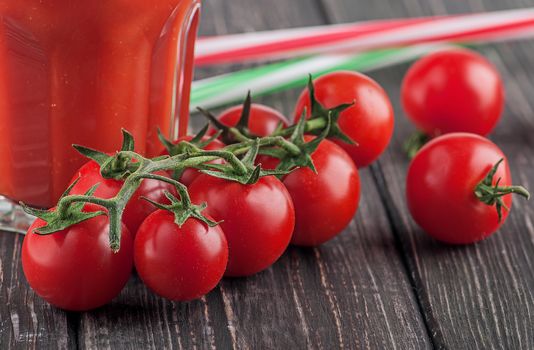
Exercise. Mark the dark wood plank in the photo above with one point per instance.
(479, 296)
(26, 321)
(138, 319)
(353, 292)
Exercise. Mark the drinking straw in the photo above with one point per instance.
(363, 36)
(232, 87)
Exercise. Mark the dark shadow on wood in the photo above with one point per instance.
(398, 229)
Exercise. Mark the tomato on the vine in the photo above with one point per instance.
(263, 120)
(454, 90)
(75, 269)
(369, 122)
(179, 263)
(137, 209)
(190, 174)
(325, 202)
(445, 191)
(258, 219)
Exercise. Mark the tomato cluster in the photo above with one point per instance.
(229, 201)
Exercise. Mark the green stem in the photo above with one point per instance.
(311, 125)
(500, 191)
(180, 188)
(270, 141)
(71, 199)
(238, 135)
(491, 194)
(231, 158)
(142, 168)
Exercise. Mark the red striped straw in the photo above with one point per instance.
(363, 36)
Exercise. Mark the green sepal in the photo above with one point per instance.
(169, 146)
(116, 167)
(225, 132)
(250, 157)
(242, 123)
(178, 148)
(319, 112)
(491, 194)
(128, 143)
(304, 159)
(56, 221)
(187, 147)
(101, 157)
(252, 174)
(228, 134)
(251, 177)
(97, 156)
(197, 139)
(183, 210)
(279, 128)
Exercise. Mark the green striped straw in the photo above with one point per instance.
(232, 87)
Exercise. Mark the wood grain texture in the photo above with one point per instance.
(479, 296)
(26, 321)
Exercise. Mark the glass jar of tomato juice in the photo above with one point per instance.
(77, 71)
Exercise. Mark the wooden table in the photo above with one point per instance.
(382, 284)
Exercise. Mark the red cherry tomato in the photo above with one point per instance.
(75, 269)
(369, 122)
(263, 120)
(179, 263)
(190, 174)
(325, 202)
(455, 90)
(267, 162)
(440, 188)
(137, 209)
(258, 219)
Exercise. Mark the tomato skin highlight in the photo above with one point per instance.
(258, 219)
(325, 202)
(137, 209)
(263, 120)
(369, 122)
(440, 188)
(179, 263)
(190, 174)
(455, 90)
(75, 269)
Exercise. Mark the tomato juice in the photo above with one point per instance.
(74, 71)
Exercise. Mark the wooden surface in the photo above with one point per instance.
(382, 284)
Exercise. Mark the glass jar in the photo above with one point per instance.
(77, 71)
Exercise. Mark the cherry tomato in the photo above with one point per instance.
(258, 219)
(137, 209)
(75, 269)
(179, 263)
(454, 90)
(440, 188)
(267, 162)
(263, 120)
(369, 122)
(190, 174)
(325, 202)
